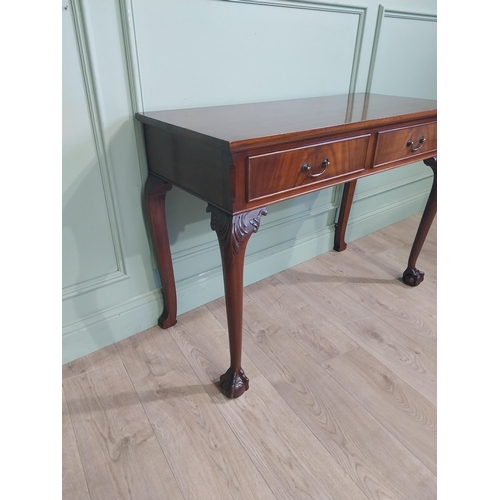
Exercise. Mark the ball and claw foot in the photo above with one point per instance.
(413, 277)
(234, 384)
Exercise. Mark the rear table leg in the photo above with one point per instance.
(339, 243)
(155, 191)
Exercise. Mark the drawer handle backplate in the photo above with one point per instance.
(307, 168)
(420, 142)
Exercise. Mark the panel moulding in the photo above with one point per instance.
(359, 11)
(136, 92)
(134, 77)
(116, 323)
(187, 286)
(94, 332)
(395, 14)
(90, 285)
(87, 66)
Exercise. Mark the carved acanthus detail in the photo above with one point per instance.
(234, 231)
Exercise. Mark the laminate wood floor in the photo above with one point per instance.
(341, 357)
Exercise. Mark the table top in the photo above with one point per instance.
(239, 126)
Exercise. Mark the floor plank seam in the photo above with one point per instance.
(348, 393)
(153, 429)
(318, 439)
(374, 416)
(78, 447)
(399, 376)
(300, 348)
(284, 401)
(223, 418)
(93, 369)
(381, 317)
(339, 411)
(228, 424)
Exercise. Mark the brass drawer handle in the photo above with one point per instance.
(420, 142)
(307, 168)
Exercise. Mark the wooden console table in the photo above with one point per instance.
(242, 158)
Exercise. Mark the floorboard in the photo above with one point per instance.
(341, 357)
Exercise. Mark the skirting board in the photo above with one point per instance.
(141, 313)
(137, 315)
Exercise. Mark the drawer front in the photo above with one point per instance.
(403, 143)
(281, 171)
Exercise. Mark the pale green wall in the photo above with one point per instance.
(124, 56)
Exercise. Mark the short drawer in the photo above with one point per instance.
(275, 172)
(403, 143)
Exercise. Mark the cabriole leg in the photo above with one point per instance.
(412, 276)
(155, 191)
(345, 208)
(233, 232)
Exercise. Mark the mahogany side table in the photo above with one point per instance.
(242, 158)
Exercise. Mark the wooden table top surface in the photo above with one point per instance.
(241, 125)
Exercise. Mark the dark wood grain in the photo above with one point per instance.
(241, 158)
(233, 233)
(405, 142)
(242, 126)
(282, 171)
(184, 160)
